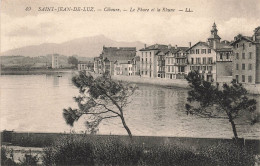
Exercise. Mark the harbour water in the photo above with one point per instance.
(34, 103)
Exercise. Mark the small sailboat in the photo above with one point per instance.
(59, 75)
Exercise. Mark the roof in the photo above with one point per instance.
(85, 62)
(220, 46)
(121, 53)
(223, 47)
(137, 58)
(155, 47)
(121, 61)
(240, 37)
(200, 42)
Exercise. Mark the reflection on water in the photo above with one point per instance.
(35, 103)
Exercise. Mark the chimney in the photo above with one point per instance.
(169, 46)
(144, 45)
(156, 45)
(176, 46)
(190, 44)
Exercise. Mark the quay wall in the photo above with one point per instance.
(252, 89)
(45, 139)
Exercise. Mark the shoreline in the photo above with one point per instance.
(178, 83)
(30, 139)
(168, 83)
(35, 71)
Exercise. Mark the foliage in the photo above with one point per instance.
(113, 151)
(69, 150)
(211, 102)
(229, 154)
(29, 160)
(100, 98)
(73, 60)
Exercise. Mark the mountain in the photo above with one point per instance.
(85, 47)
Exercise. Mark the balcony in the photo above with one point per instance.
(180, 64)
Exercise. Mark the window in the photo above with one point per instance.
(209, 51)
(210, 60)
(250, 44)
(243, 66)
(172, 68)
(237, 55)
(203, 51)
(204, 60)
(237, 78)
(250, 79)
(237, 45)
(243, 55)
(197, 51)
(249, 66)
(150, 54)
(197, 60)
(168, 60)
(237, 66)
(192, 61)
(209, 68)
(169, 68)
(243, 78)
(227, 54)
(220, 57)
(250, 55)
(243, 46)
(191, 51)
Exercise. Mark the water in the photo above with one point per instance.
(34, 103)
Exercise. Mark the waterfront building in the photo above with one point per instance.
(246, 64)
(105, 62)
(152, 61)
(176, 62)
(212, 58)
(55, 61)
(85, 65)
(122, 67)
(136, 65)
(98, 65)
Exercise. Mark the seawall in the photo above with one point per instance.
(252, 89)
(153, 81)
(45, 139)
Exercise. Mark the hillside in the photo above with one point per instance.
(84, 47)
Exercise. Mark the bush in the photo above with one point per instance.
(112, 151)
(69, 150)
(29, 160)
(229, 154)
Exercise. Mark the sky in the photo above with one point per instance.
(21, 28)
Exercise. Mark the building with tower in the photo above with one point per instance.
(213, 58)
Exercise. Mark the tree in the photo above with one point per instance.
(209, 101)
(73, 60)
(99, 98)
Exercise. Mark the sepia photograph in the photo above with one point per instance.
(130, 82)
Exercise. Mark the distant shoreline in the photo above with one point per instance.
(35, 71)
(178, 83)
